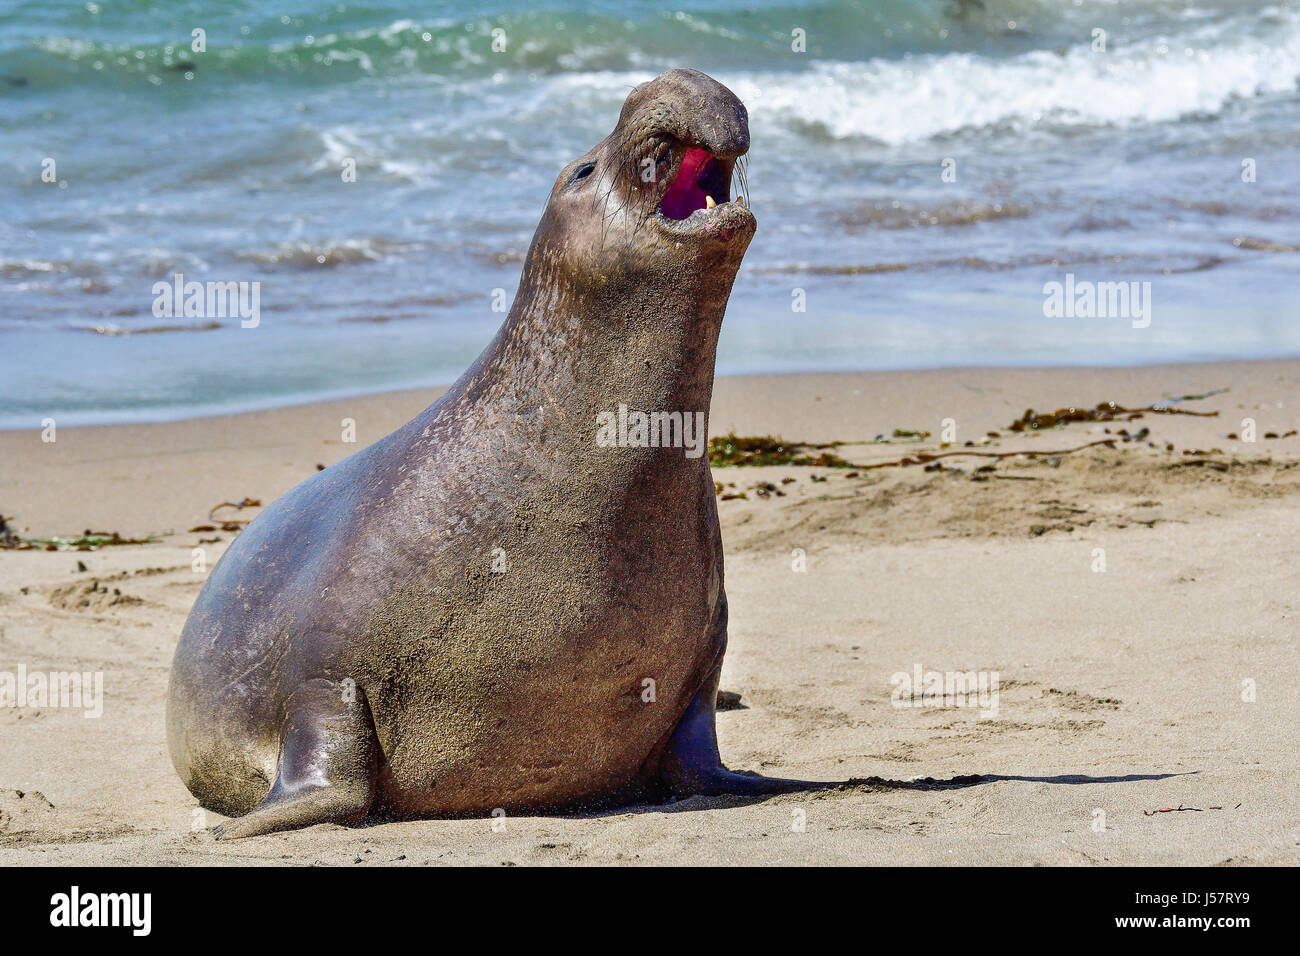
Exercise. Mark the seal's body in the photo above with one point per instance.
(489, 608)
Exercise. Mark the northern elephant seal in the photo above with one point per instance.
(490, 607)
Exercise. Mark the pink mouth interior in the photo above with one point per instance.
(700, 173)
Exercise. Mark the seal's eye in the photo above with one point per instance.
(582, 172)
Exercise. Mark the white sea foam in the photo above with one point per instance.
(1199, 72)
(1156, 80)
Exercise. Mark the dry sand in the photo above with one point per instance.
(1120, 691)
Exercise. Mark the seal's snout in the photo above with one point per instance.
(694, 108)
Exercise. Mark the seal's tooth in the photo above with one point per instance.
(708, 202)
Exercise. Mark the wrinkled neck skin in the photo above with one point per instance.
(623, 335)
(641, 331)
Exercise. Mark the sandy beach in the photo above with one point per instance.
(1136, 603)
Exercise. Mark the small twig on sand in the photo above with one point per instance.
(239, 505)
(1188, 398)
(1179, 809)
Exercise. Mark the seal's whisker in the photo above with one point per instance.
(606, 214)
(742, 177)
(609, 214)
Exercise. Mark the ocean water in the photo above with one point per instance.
(1122, 164)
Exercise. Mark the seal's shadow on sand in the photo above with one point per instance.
(876, 785)
(814, 787)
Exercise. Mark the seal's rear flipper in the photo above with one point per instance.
(328, 760)
(691, 763)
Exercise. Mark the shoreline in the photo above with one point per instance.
(199, 413)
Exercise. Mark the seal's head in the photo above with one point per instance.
(626, 282)
(654, 198)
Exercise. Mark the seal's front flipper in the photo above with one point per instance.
(692, 764)
(328, 760)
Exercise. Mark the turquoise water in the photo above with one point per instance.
(1115, 165)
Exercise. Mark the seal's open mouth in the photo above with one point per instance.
(697, 201)
(702, 181)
